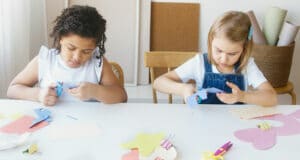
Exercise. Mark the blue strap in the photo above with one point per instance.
(207, 65)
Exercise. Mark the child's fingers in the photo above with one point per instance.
(52, 92)
(232, 85)
(51, 100)
(226, 98)
(52, 85)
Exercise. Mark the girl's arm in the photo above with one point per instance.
(21, 86)
(264, 95)
(171, 83)
(109, 90)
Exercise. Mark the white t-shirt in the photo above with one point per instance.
(195, 69)
(53, 69)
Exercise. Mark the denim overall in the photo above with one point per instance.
(218, 80)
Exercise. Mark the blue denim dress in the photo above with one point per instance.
(218, 80)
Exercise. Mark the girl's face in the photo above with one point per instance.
(226, 53)
(76, 50)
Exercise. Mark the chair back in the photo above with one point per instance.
(116, 68)
(164, 59)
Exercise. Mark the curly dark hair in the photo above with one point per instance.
(84, 21)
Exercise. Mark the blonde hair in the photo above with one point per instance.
(235, 26)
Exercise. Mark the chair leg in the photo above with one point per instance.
(152, 80)
(170, 98)
(154, 96)
(294, 97)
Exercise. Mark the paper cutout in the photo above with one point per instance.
(73, 131)
(13, 116)
(253, 112)
(132, 155)
(260, 139)
(43, 115)
(265, 139)
(201, 95)
(8, 141)
(22, 125)
(146, 143)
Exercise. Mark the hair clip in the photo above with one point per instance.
(250, 33)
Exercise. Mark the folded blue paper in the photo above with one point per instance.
(201, 95)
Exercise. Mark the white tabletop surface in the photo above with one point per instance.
(195, 130)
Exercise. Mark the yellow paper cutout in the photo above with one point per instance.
(146, 143)
(16, 116)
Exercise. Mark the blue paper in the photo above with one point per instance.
(201, 95)
(43, 115)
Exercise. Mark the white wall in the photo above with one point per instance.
(38, 35)
(210, 9)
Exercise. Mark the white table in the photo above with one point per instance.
(196, 130)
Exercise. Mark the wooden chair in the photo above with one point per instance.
(288, 89)
(164, 59)
(116, 68)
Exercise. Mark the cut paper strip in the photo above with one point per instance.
(274, 19)
(73, 131)
(258, 35)
(253, 112)
(145, 143)
(22, 125)
(288, 34)
(132, 155)
(261, 140)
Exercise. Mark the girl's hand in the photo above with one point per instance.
(47, 96)
(188, 90)
(230, 98)
(84, 91)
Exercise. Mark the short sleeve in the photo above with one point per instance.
(192, 69)
(42, 60)
(254, 76)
